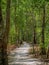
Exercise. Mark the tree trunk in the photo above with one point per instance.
(43, 50)
(7, 19)
(43, 25)
(3, 52)
(6, 33)
(34, 40)
(16, 28)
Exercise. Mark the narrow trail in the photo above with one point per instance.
(21, 56)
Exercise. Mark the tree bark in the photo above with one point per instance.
(43, 50)
(5, 36)
(43, 25)
(34, 40)
(3, 52)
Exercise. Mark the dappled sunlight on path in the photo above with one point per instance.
(21, 56)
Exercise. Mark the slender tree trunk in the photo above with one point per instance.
(6, 33)
(43, 50)
(15, 17)
(22, 33)
(34, 36)
(1, 30)
(3, 52)
(34, 27)
(34, 40)
(43, 25)
(7, 18)
(7, 21)
(15, 22)
(34, 32)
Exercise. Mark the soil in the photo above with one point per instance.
(10, 48)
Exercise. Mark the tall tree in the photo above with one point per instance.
(1, 25)
(15, 19)
(5, 36)
(43, 25)
(7, 19)
(3, 52)
(15, 15)
(34, 32)
(43, 51)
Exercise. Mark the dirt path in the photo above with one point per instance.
(21, 56)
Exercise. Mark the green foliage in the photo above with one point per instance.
(42, 49)
(28, 13)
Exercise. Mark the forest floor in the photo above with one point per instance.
(11, 48)
(23, 56)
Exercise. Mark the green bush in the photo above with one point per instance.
(42, 49)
